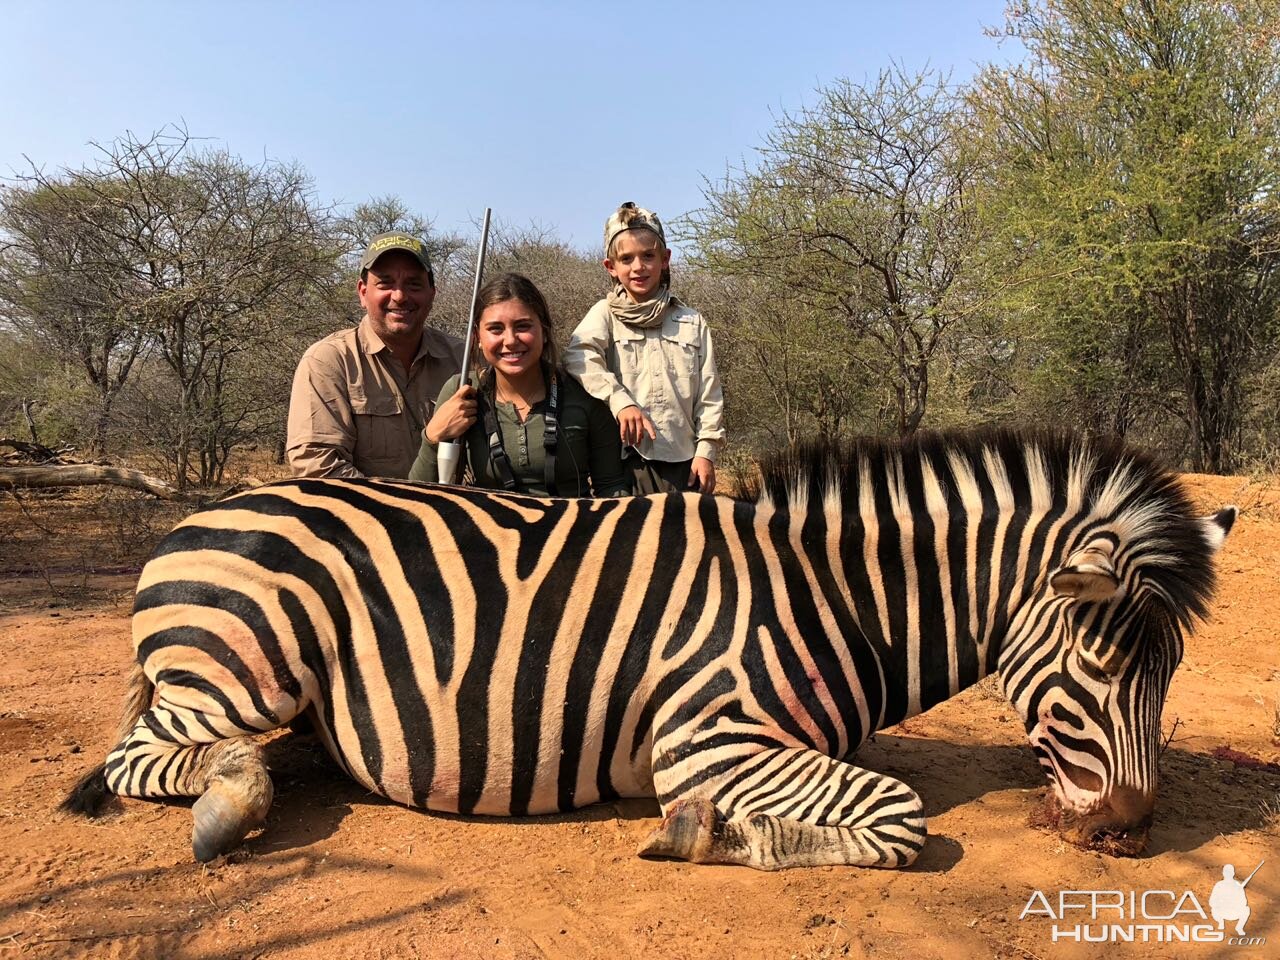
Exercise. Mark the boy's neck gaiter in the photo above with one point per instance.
(642, 315)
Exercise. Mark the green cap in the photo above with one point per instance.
(386, 242)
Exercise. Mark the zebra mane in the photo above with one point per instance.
(1140, 496)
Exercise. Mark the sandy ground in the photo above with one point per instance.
(339, 873)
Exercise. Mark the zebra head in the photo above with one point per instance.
(1090, 659)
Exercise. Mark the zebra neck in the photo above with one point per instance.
(923, 604)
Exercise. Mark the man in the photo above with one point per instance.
(362, 396)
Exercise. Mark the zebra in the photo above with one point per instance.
(490, 653)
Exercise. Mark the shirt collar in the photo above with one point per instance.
(433, 343)
(369, 341)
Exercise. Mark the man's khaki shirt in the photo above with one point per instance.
(355, 412)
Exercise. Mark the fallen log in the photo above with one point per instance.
(87, 474)
(36, 450)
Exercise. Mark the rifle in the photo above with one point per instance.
(448, 451)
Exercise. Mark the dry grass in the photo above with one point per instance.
(1259, 496)
(1270, 810)
(61, 539)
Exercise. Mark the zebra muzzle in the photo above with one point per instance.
(1111, 838)
(1119, 827)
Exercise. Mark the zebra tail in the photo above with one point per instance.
(87, 796)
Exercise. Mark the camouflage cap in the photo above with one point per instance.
(630, 217)
(386, 242)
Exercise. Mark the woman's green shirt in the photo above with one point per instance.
(588, 454)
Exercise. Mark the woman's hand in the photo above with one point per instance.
(634, 424)
(454, 417)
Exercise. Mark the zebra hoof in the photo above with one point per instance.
(222, 820)
(687, 832)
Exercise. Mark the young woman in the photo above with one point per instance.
(527, 428)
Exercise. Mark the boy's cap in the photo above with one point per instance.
(386, 242)
(630, 217)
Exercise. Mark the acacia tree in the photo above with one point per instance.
(858, 211)
(388, 213)
(1135, 172)
(789, 371)
(195, 252)
(58, 288)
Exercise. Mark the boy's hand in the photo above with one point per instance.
(702, 475)
(454, 417)
(633, 424)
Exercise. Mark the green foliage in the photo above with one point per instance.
(182, 285)
(857, 250)
(1131, 174)
(58, 399)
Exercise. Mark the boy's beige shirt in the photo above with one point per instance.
(355, 412)
(669, 371)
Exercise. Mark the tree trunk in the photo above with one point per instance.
(103, 423)
(85, 474)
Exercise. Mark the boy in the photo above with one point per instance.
(649, 357)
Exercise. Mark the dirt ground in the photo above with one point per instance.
(339, 873)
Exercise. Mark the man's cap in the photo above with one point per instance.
(386, 242)
(630, 217)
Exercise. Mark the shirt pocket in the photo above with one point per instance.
(629, 347)
(378, 427)
(680, 351)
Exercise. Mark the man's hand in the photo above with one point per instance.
(454, 417)
(702, 475)
(633, 424)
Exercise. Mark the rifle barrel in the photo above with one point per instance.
(448, 452)
(475, 297)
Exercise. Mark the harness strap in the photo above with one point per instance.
(550, 439)
(498, 458)
(551, 434)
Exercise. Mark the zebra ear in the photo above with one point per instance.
(1087, 575)
(1084, 584)
(1217, 526)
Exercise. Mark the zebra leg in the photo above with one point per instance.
(178, 752)
(794, 808)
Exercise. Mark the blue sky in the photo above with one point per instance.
(549, 112)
